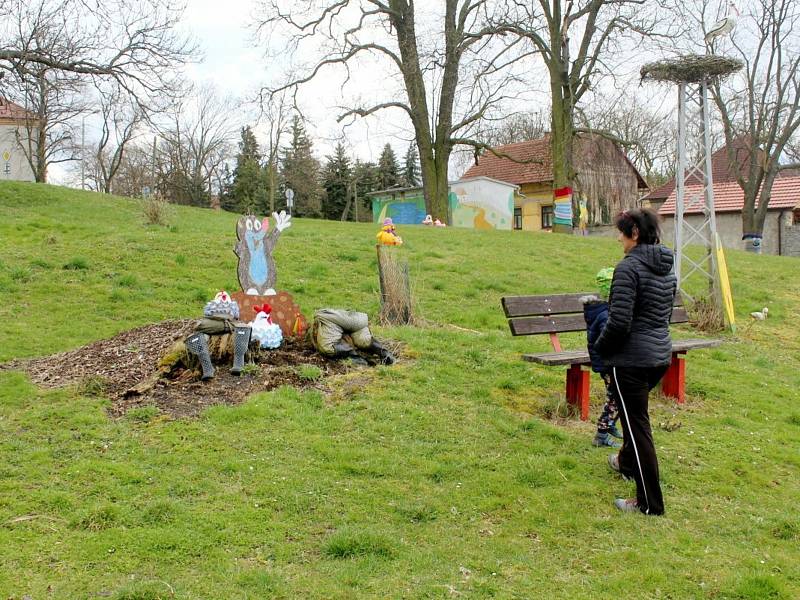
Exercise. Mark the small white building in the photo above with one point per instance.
(14, 121)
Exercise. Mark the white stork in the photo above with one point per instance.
(723, 26)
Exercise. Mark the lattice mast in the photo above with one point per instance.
(693, 74)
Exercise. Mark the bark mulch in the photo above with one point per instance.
(114, 366)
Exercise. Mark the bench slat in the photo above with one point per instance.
(554, 324)
(575, 357)
(581, 357)
(560, 304)
(567, 323)
(526, 306)
(695, 344)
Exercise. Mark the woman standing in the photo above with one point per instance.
(636, 347)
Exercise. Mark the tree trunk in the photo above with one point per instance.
(40, 172)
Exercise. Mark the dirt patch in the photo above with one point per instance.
(115, 365)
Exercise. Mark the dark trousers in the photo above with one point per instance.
(637, 457)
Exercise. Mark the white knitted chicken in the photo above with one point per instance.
(268, 334)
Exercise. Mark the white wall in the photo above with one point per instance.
(729, 228)
(483, 204)
(16, 167)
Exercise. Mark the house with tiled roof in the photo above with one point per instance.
(606, 179)
(781, 233)
(15, 125)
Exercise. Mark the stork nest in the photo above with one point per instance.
(691, 68)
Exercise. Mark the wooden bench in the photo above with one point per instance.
(560, 313)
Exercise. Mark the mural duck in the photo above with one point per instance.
(387, 236)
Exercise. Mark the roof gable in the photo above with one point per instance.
(13, 111)
(534, 162)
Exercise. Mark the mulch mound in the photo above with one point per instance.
(119, 363)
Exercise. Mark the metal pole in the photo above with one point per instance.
(713, 285)
(83, 152)
(680, 189)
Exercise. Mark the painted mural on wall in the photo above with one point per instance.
(402, 209)
(482, 204)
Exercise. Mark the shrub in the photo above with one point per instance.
(155, 211)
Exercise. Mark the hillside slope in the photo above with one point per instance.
(443, 476)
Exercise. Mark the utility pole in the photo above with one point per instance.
(83, 152)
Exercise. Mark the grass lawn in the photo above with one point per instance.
(443, 476)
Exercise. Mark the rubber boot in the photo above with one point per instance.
(197, 344)
(241, 340)
(343, 350)
(387, 358)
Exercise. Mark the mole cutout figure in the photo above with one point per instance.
(256, 266)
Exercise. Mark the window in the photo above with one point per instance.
(547, 217)
(517, 217)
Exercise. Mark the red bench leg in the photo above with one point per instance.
(578, 389)
(674, 382)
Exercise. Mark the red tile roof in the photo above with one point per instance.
(720, 171)
(12, 110)
(504, 169)
(729, 197)
(540, 169)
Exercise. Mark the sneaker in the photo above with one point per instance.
(627, 504)
(615, 432)
(602, 438)
(613, 462)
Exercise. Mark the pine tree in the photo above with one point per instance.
(366, 178)
(411, 167)
(388, 170)
(247, 192)
(300, 172)
(336, 179)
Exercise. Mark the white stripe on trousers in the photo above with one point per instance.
(633, 440)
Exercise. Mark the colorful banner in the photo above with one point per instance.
(562, 210)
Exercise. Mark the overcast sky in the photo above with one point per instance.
(236, 65)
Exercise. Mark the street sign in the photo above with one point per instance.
(289, 197)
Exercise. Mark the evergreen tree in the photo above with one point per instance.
(247, 192)
(300, 172)
(365, 175)
(337, 179)
(411, 167)
(388, 170)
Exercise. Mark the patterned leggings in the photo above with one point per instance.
(610, 412)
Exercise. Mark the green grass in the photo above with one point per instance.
(434, 478)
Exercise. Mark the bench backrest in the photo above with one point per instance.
(558, 313)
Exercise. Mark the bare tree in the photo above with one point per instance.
(452, 78)
(576, 40)
(120, 121)
(647, 134)
(195, 143)
(134, 42)
(760, 108)
(277, 112)
(52, 100)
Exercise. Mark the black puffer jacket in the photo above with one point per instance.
(640, 306)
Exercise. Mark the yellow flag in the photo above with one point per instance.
(725, 285)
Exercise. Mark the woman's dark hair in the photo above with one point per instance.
(644, 220)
